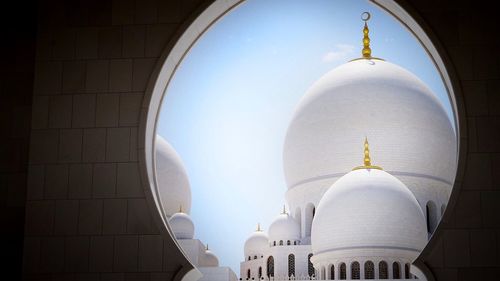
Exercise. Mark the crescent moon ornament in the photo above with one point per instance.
(365, 16)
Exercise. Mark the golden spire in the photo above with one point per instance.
(284, 210)
(366, 52)
(180, 209)
(258, 227)
(367, 161)
(206, 247)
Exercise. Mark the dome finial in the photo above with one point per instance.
(284, 210)
(366, 52)
(180, 209)
(258, 227)
(367, 160)
(206, 248)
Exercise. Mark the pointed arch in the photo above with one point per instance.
(369, 270)
(383, 272)
(355, 271)
(396, 272)
(343, 272)
(270, 266)
(431, 216)
(310, 267)
(291, 265)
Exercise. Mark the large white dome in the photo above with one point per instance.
(368, 209)
(284, 228)
(256, 244)
(173, 183)
(399, 114)
(182, 226)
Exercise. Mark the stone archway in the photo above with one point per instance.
(177, 49)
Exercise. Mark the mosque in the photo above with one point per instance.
(344, 221)
(176, 203)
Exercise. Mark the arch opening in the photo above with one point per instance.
(432, 221)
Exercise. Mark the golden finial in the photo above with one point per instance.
(284, 210)
(366, 160)
(366, 52)
(206, 248)
(180, 209)
(258, 227)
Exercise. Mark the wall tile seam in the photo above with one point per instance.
(96, 127)
(104, 59)
(83, 162)
(63, 236)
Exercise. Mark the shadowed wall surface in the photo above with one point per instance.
(86, 216)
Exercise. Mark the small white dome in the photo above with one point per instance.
(284, 227)
(182, 226)
(173, 183)
(368, 209)
(211, 259)
(256, 244)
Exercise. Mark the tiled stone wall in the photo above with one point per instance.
(468, 247)
(86, 216)
(86, 213)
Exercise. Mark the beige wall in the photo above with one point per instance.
(86, 214)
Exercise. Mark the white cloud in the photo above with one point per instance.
(340, 51)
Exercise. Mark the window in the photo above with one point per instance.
(260, 272)
(343, 272)
(355, 271)
(407, 271)
(382, 270)
(288, 242)
(274, 243)
(294, 242)
(323, 273)
(248, 273)
(291, 265)
(310, 267)
(431, 212)
(270, 266)
(395, 271)
(428, 218)
(281, 242)
(369, 270)
(332, 272)
(249, 257)
(254, 257)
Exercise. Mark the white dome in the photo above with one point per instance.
(182, 226)
(284, 227)
(399, 114)
(211, 259)
(368, 209)
(173, 183)
(256, 244)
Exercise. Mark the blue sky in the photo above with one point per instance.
(227, 109)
